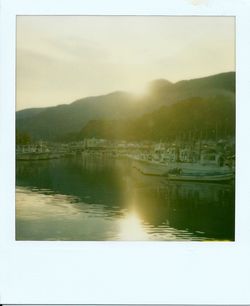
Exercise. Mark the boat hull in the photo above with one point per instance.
(201, 178)
(37, 156)
(188, 172)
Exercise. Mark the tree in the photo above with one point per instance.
(22, 138)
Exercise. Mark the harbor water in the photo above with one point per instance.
(102, 198)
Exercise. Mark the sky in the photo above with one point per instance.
(64, 58)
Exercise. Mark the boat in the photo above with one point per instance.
(201, 178)
(185, 171)
(37, 156)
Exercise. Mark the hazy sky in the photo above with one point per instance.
(64, 58)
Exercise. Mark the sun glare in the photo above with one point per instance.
(141, 92)
(131, 228)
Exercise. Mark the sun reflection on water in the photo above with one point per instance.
(131, 228)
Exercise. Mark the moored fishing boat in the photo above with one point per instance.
(201, 178)
(185, 171)
(175, 164)
(37, 156)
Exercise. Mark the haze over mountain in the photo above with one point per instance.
(54, 123)
(190, 119)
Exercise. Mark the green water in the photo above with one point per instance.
(103, 198)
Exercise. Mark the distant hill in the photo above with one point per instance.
(54, 123)
(30, 112)
(162, 92)
(195, 117)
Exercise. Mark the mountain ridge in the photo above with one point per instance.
(52, 123)
(209, 117)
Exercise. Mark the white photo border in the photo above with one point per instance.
(124, 272)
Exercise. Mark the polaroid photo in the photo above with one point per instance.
(124, 152)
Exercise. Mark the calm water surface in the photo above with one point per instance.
(103, 198)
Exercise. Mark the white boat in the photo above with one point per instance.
(185, 171)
